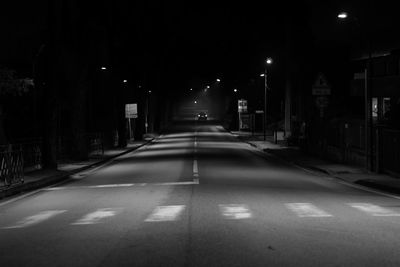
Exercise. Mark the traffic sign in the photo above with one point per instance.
(131, 111)
(321, 86)
(242, 106)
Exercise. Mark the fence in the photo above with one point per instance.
(11, 165)
(94, 144)
(390, 151)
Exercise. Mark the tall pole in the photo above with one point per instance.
(265, 103)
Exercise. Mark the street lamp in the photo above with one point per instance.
(342, 15)
(218, 80)
(235, 90)
(367, 94)
(268, 61)
(125, 81)
(146, 123)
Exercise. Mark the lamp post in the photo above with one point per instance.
(146, 123)
(368, 128)
(268, 62)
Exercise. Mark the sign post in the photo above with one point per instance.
(130, 113)
(321, 89)
(242, 108)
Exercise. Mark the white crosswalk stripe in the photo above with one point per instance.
(307, 210)
(35, 219)
(166, 213)
(235, 211)
(374, 210)
(97, 216)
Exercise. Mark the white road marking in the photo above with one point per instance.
(35, 219)
(307, 210)
(111, 185)
(195, 168)
(235, 211)
(165, 213)
(373, 210)
(121, 185)
(97, 216)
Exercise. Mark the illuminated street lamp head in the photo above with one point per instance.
(342, 15)
(125, 81)
(269, 61)
(208, 87)
(218, 80)
(235, 90)
(149, 91)
(103, 68)
(191, 89)
(262, 75)
(195, 101)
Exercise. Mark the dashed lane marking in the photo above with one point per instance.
(374, 210)
(195, 168)
(35, 219)
(166, 213)
(235, 211)
(97, 216)
(307, 210)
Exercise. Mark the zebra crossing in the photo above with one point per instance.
(170, 213)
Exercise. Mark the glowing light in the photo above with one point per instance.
(235, 90)
(218, 80)
(342, 15)
(269, 60)
(103, 68)
(125, 81)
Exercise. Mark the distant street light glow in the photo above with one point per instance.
(208, 86)
(103, 68)
(149, 91)
(125, 81)
(218, 80)
(342, 15)
(262, 75)
(269, 61)
(195, 102)
(235, 90)
(191, 89)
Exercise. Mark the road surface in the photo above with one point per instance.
(196, 196)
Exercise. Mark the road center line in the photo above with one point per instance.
(195, 168)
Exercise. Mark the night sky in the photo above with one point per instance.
(192, 43)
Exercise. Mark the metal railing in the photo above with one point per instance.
(11, 166)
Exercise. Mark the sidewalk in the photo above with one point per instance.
(348, 173)
(40, 178)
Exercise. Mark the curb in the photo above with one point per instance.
(46, 181)
(364, 184)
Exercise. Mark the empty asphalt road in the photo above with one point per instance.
(196, 196)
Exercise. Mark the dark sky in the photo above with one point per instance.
(198, 41)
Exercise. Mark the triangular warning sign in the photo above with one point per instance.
(321, 81)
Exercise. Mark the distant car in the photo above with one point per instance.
(202, 116)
